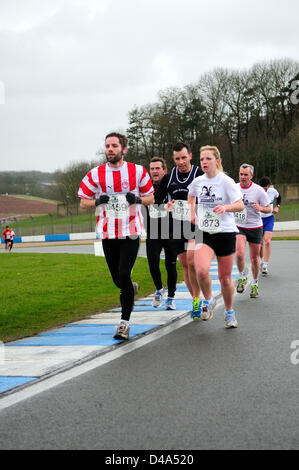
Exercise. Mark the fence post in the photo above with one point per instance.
(52, 224)
(32, 224)
(90, 220)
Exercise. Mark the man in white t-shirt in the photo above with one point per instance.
(117, 189)
(250, 226)
(268, 223)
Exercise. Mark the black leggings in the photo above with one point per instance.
(153, 253)
(120, 254)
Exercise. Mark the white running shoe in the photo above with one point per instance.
(264, 270)
(123, 330)
(170, 303)
(158, 298)
(208, 308)
(230, 319)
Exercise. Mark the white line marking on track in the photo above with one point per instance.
(62, 377)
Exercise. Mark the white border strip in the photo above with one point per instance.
(124, 348)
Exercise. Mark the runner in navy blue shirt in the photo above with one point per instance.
(174, 186)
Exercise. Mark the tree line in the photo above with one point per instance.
(33, 183)
(251, 115)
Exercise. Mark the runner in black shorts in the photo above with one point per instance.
(217, 197)
(250, 227)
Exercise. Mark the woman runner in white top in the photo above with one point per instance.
(217, 199)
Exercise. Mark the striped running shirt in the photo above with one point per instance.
(105, 179)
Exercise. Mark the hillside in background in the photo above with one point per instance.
(33, 183)
(22, 207)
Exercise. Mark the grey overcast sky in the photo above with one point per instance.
(71, 70)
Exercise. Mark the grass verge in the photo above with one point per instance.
(42, 291)
(284, 238)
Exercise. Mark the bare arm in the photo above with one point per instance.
(259, 208)
(147, 200)
(191, 202)
(235, 207)
(87, 203)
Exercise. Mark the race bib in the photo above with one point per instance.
(208, 221)
(181, 210)
(155, 212)
(241, 217)
(117, 207)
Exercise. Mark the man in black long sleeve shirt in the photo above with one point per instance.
(157, 223)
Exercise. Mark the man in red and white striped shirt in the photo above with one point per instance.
(118, 188)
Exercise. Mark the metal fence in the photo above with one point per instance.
(54, 225)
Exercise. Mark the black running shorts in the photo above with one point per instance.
(223, 243)
(253, 235)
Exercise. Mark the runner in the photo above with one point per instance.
(218, 197)
(12, 235)
(268, 223)
(174, 186)
(7, 237)
(118, 188)
(250, 225)
(155, 243)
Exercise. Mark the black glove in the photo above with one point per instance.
(132, 199)
(103, 199)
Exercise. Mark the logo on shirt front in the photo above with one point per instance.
(125, 184)
(208, 195)
(246, 201)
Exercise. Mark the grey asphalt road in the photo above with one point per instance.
(199, 387)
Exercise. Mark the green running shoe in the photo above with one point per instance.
(242, 283)
(254, 293)
(197, 308)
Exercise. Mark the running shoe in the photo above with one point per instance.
(254, 293)
(242, 283)
(123, 330)
(196, 309)
(158, 298)
(230, 319)
(170, 303)
(208, 308)
(264, 270)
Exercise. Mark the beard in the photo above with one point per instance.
(114, 158)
